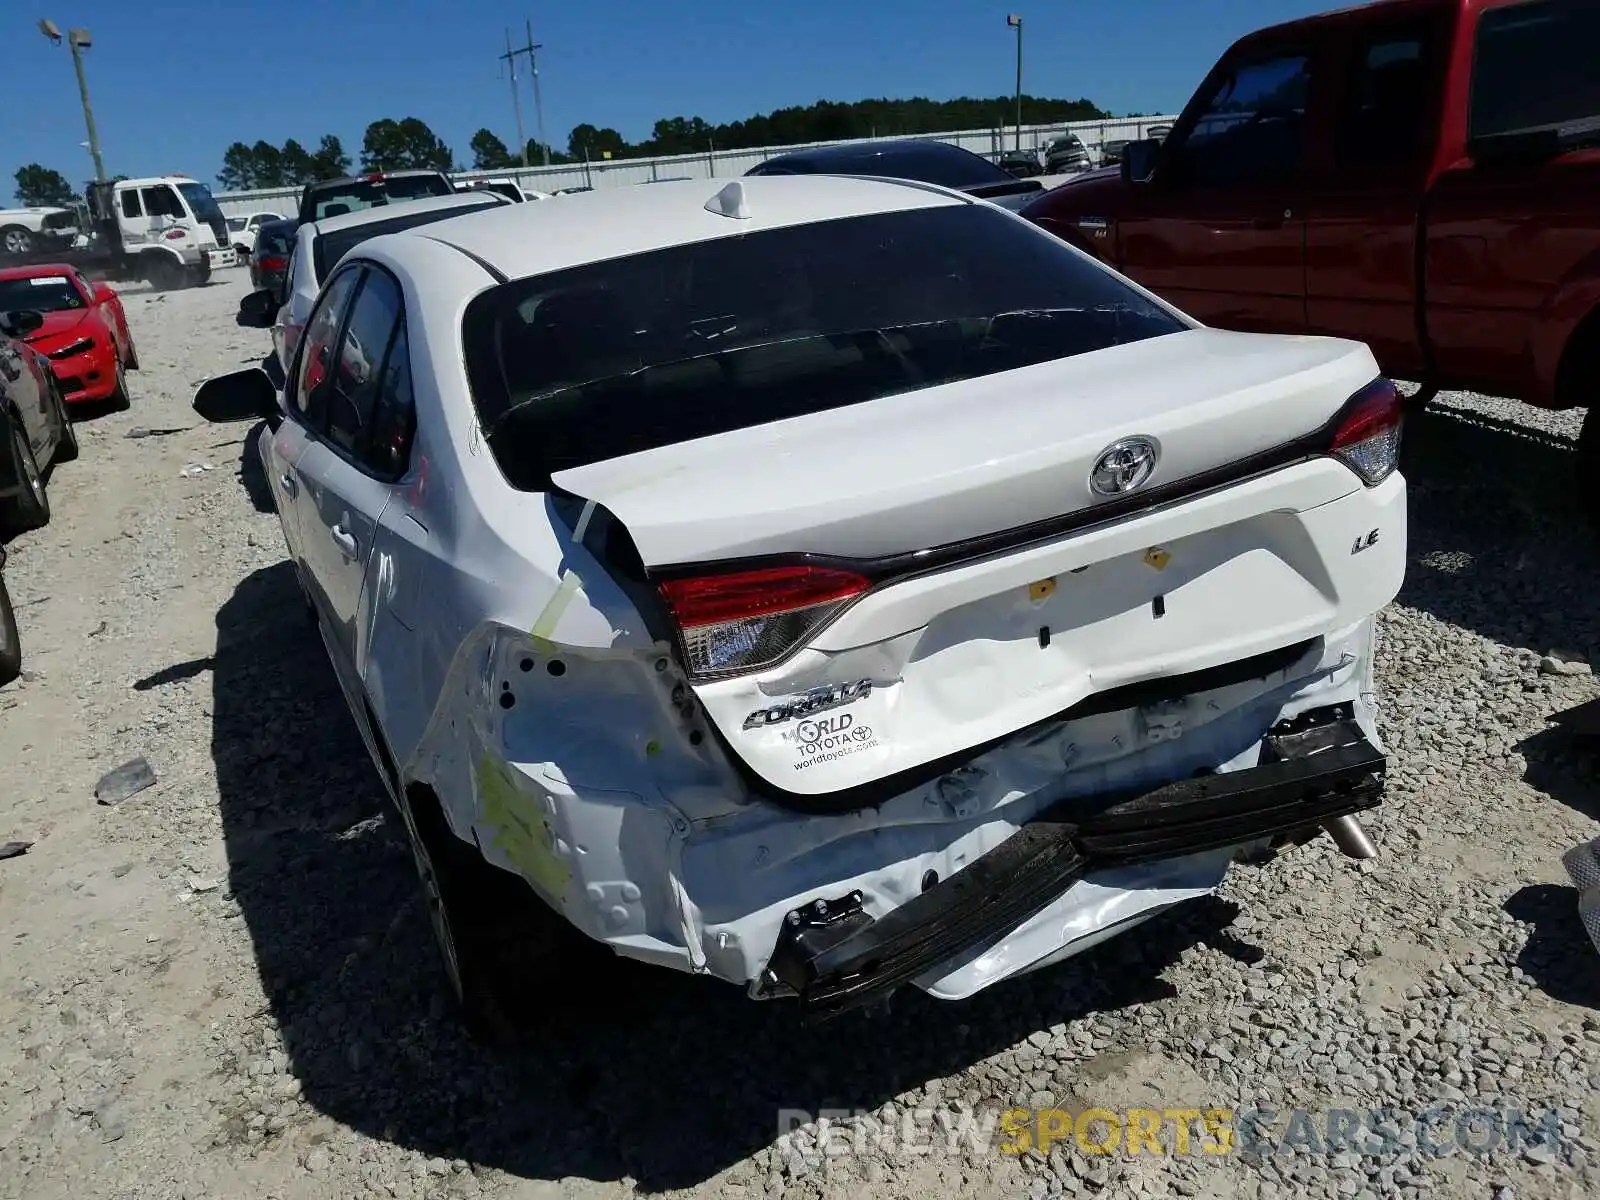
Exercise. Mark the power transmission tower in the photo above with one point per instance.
(532, 51)
(510, 57)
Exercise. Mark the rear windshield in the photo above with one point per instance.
(934, 162)
(276, 239)
(617, 357)
(1537, 67)
(358, 194)
(328, 248)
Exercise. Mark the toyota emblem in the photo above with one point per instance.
(1123, 466)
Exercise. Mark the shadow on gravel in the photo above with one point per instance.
(253, 472)
(1497, 543)
(1566, 767)
(1559, 957)
(654, 1075)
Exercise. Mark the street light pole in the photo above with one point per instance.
(78, 41)
(1015, 22)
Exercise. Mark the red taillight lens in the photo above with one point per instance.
(749, 619)
(1367, 437)
(271, 263)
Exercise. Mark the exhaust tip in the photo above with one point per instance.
(1350, 837)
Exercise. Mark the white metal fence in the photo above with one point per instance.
(728, 163)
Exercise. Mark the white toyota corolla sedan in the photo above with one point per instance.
(826, 584)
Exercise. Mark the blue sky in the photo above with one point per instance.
(175, 82)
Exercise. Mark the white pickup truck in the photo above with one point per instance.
(22, 229)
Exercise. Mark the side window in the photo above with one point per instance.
(130, 204)
(161, 202)
(394, 419)
(318, 346)
(1385, 112)
(355, 378)
(1253, 125)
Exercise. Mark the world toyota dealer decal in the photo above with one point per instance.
(824, 739)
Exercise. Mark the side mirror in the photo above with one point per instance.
(21, 323)
(1139, 160)
(239, 396)
(257, 310)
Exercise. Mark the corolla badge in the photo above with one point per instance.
(1123, 466)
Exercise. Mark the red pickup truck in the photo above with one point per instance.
(1421, 175)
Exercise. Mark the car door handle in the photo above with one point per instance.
(344, 539)
(290, 487)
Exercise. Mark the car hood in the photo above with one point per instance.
(59, 324)
(1095, 193)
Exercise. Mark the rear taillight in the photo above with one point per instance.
(750, 619)
(1367, 436)
(274, 264)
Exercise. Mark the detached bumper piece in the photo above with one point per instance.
(834, 957)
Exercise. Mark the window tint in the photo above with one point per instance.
(690, 341)
(317, 346)
(1386, 108)
(388, 450)
(130, 204)
(1252, 128)
(353, 380)
(1537, 65)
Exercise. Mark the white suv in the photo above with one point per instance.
(824, 583)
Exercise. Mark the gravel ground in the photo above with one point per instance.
(225, 985)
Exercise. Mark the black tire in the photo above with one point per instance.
(163, 273)
(67, 443)
(10, 641)
(502, 947)
(29, 508)
(118, 400)
(131, 362)
(15, 241)
(201, 275)
(1589, 463)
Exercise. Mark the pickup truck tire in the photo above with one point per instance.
(1589, 463)
(15, 241)
(503, 948)
(30, 508)
(201, 275)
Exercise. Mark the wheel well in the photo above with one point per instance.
(1578, 376)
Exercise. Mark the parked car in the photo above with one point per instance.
(807, 581)
(354, 193)
(1022, 164)
(22, 229)
(318, 247)
(84, 332)
(505, 187)
(921, 159)
(1419, 176)
(35, 432)
(243, 231)
(1158, 133)
(269, 261)
(1111, 151)
(10, 639)
(1067, 153)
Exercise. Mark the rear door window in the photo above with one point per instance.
(318, 346)
(1536, 66)
(1387, 112)
(353, 381)
(690, 341)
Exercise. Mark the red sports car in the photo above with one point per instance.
(85, 332)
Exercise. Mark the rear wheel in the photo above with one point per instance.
(504, 950)
(10, 642)
(118, 400)
(163, 273)
(15, 241)
(200, 275)
(30, 507)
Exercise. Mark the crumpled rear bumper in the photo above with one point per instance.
(834, 957)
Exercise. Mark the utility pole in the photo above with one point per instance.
(532, 51)
(1015, 22)
(78, 41)
(516, 98)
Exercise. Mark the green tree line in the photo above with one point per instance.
(392, 145)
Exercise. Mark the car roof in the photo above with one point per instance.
(382, 212)
(372, 176)
(519, 240)
(37, 271)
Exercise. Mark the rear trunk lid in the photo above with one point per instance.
(1004, 589)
